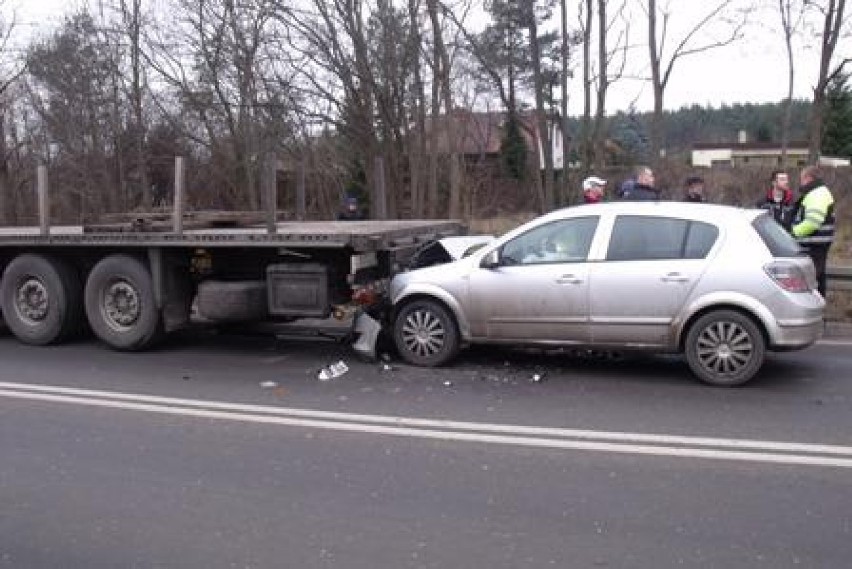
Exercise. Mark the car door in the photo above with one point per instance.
(651, 265)
(539, 289)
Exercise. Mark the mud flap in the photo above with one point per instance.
(367, 331)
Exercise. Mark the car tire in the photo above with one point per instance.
(725, 348)
(425, 333)
(120, 304)
(40, 299)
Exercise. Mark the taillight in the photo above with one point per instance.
(788, 276)
(365, 296)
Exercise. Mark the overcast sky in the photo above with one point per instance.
(753, 70)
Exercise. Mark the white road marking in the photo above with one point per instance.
(542, 437)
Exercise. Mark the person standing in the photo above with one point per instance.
(643, 189)
(350, 209)
(694, 189)
(779, 199)
(593, 189)
(813, 220)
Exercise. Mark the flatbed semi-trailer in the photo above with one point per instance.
(132, 282)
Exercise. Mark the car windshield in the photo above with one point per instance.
(777, 240)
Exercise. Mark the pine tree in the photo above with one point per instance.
(837, 134)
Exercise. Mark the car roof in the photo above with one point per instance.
(707, 211)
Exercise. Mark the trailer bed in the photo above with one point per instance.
(360, 236)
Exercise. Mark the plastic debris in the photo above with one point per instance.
(386, 367)
(269, 384)
(537, 377)
(333, 371)
(448, 383)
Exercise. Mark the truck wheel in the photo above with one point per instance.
(120, 304)
(725, 348)
(425, 333)
(41, 298)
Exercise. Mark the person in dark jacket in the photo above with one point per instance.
(643, 189)
(694, 189)
(779, 199)
(350, 209)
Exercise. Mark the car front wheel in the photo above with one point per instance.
(425, 333)
(725, 348)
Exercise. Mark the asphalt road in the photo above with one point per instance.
(229, 452)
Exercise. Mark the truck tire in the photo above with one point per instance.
(40, 298)
(425, 333)
(120, 304)
(725, 348)
(233, 301)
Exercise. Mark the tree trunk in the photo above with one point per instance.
(5, 182)
(586, 144)
(443, 76)
(599, 132)
(565, 197)
(545, 145)
(657, 117)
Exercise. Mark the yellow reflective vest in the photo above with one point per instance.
(813, 223)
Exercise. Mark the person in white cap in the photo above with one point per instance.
(593, 189)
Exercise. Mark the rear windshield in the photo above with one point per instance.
(777, 240)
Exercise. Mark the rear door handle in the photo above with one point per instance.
(675, 278)
(569, 279)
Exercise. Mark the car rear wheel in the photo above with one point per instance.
(425, 333)
(725, 348)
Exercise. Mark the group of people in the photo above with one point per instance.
(809, 218)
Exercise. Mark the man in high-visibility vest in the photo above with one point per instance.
(813, 220)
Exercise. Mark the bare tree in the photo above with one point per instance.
(545, 137)
(611, 37)
(219, 57)
(691, 43)
(8, 76)
(834, 25)
(131, 20)
(442, 76)
(792, 14)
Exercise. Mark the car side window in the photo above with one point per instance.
(563, 241)
(637, 238)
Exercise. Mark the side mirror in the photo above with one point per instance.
(491, 260)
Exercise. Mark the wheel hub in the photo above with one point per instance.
(32, 300)
(121, 303)
(725, 348)
(423, 333)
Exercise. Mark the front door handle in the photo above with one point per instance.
(675, 278)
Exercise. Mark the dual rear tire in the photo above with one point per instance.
(44, 301)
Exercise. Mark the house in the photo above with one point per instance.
(766, 154)
(479, 135)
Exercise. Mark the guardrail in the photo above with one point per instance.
(839, 278)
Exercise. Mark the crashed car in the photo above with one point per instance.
(720, 285)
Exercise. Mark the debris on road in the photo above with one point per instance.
(269, 384)
(448, 383)
(333, 371)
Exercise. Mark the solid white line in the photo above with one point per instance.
(539, 442)
(740, 444)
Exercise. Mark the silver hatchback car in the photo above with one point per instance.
(719, 284)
